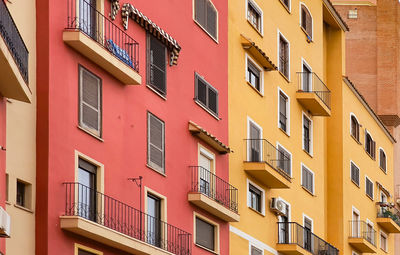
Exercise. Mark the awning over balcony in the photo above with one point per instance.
(257, 53)
(208, 138)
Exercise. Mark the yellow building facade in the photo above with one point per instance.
(290, 112)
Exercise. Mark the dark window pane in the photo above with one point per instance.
(157, 65)
(211, 19)
(212, 100)
(83, 252)
(205, 234)
(20, 193)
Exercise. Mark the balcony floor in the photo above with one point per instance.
(388, 224)
(313, 103)
(267, 175)
(362, 245)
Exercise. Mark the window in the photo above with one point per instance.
(284, 56)
(156, 65)
(308, 234)
(307, 134)
(206, 16)
(255, 198)
(369, 188)
(383, 241)
(307, 179)
(155, 143)
(254, 15)
(254, 143)
(284, 160)
(206, 169)
(355, 223)
(355, 128)
(83, 252)
(153, 223)
(355, 174)
(90, 97)
(370, 145)
(254, 75)
(370, 233)
(283, 112)
(352, 14)
(382, 159)
(306, 21)
(306, 78)
(21, 193)
(206, 95)
(87, 189)
(87, 17)
(255, 251)
(283, 225)
(286, 3)
(206, 234)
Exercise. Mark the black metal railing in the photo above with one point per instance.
(87, 19)
(387, 210)
(310, 82)
(87, 203)
(361, 229)
(294, 233)
(13, 40)
(212, 186)
(260, 150)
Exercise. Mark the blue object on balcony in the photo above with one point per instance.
(119, 53)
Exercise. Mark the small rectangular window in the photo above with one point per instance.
(284, 160)
(254, 15)
(155, 143)
(255, 196)
(307, 134)
(254, 143)
(283, 56)
(156, 65)
(369, 188)
(307, 179)
(90, 97)
(24, 191)
(205, 234)
(383, 242)
(355, 174)
(283, 113)
(255, 251)
(206, 16)
(306, 21)
(370, 145)
(206, 94)
(253, 75)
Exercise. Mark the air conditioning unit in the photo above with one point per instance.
(278, 206)
(4, 223)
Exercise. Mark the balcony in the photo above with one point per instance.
(362, 237)
(313, 94)
(213, 194)
(388, 217)
(267, 164)
(96, 37)
(101, 218)
(294, 239)
(14, 78)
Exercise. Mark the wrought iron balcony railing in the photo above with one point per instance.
(87, 203)
(310, 82)
(294, 233)
(87, 19)
(13, 40)
(361, 229)
(207, 183)
(260, 150)
(387, 210)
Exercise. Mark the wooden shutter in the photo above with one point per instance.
(201, 90)
(308, 23)
(155, 148)
(90, 101)
(355, 174)
(255, 251)
(205, 234)
(200, 12)
(213, 100)
(373, 149)
(211, 20)
(206, 94)
(157, 65)
(307, 181)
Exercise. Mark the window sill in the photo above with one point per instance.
(90, 133)
(358, 186)
(284, 6)
(202, 247)
(286, 133)
(355, 139)
(307, 35)
(214, 39)
(309, 192)
(23, 208)
(155, 91)
(369, 197)
(204, 108)
(286, 78)
(384, 250)
(155, 170)
(256, 90)
(383, 170)
(254, 210)
(254, 27)
(8, 202)
(308, 153)
(370, 155)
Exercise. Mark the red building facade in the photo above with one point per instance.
(132, 128)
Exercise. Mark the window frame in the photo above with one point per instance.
(216, 39)
(384, 169)
(250, 121)
(373, 191)
(21, 184)
(381, 233)
(311, 141)
(248, 183)
(291, 157)
(251, 245)
(280, 91)
(216, 232)
(373, 148)
(312, 20)
(197, 76)
(150, 164)
(96, 133)
(258, 10)
(352, 115)
(149, 85)
(78, 247)
(302, 165)
(287, 7)
(351, 176)
(261, 73)
(354, 210)
(280, 35)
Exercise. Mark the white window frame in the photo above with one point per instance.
(291, 157)
(312, 228)
(289, 215)
(305, 63)
(312, 19)
(373, 187)
(247, 57)
(359, 125)
(251, 244)
(260, 12)
(365, 141)
(355, 210)
(381, 233)
(278, 39)
(311, 134)
(217, 244)
(287, 110)
(262, 196)
(359, 170)
(379, 150)
(248, 136)
(288, 8)
(301, 178)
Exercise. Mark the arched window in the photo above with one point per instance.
(382, 159)
(369, 145)
(306, 21)
(355, 128)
